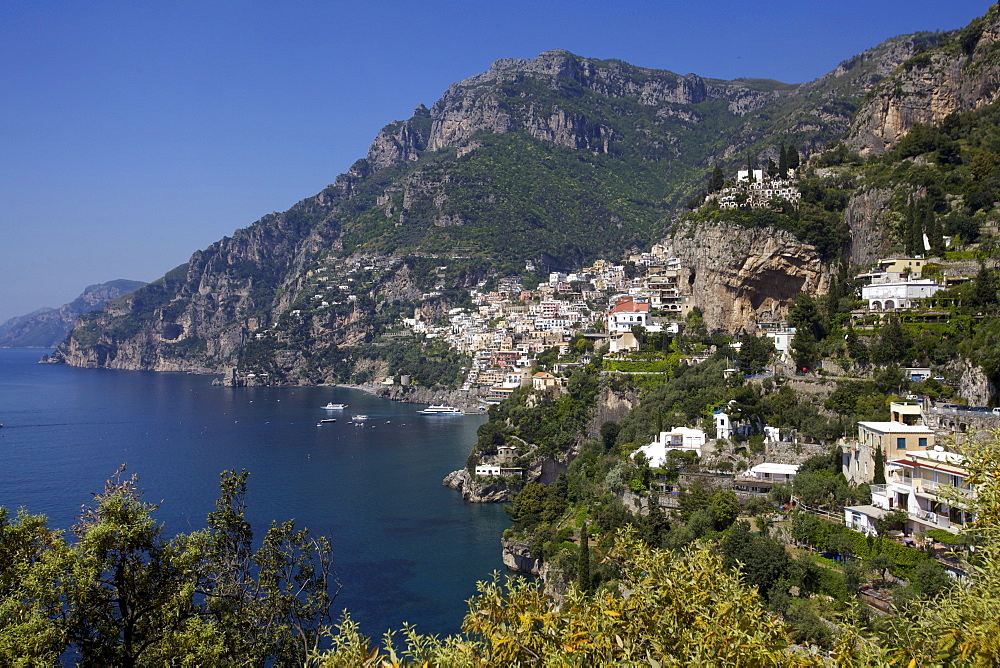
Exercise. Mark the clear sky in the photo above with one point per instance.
(134, 133)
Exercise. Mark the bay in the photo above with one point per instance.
(407, 549)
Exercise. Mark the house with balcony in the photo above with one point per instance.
(892, 438)
(760, 478)
(930, 486)
(899, 294)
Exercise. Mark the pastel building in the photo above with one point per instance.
(892, 438)
(930, 486)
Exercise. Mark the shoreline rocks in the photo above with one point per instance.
(474, 491)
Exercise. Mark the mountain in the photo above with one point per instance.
(551, 162)
(47, 327)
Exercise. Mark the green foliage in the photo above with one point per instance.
(755, 353)
(680, 610)
(123, 594)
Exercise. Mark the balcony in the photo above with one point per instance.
(939, 488)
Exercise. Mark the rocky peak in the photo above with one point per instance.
(960, 73)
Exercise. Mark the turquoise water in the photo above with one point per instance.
(407, 548)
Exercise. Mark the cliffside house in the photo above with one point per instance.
(890, 270)
(627, 312)
(931, 486)
(899, 294)
(892, 438)
(487, 470)
(760, 478)
(545, 381)
(680, 438)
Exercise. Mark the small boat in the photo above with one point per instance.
(359, 418)
(335, 407)
(327, 420)
(440, 410)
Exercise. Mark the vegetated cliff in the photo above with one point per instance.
(740, 277)
(960, 74)
(558, 160)
(47, 327)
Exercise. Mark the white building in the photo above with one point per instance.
(680, 438)
(782, 340)
(723, 425)
(899, 294)
(773, 473)
(744, 175)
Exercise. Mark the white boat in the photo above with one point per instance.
(359, 418)
(335, 407)
(440, 410)
(328, 420)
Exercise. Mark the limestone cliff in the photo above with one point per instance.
(740, 276)
(961, 74)
(47, 327)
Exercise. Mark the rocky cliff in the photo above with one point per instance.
(960, 74)
(740, 276)
(46, 328)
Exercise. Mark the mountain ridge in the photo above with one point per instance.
(532, 161)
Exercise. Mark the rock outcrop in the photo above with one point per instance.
(517, 557)
(975, 384)
(960, 75)
(865, 217)
(741, 276)
(475, 491)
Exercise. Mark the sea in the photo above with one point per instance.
(406, 548)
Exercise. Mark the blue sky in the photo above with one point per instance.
(134, 133)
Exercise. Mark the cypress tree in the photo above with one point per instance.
(879, 478)
(793, 158)
(583, 561)
(915, 242)
(716, 180)
(782, 162)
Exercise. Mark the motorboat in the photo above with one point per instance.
(359, 418)
(335, 407)
(328, 420)
(436, 409)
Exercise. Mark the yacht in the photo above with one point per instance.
(440, 410)
(359, 418)
(335, 407)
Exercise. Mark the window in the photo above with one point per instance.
(901, 443)
(923, 442)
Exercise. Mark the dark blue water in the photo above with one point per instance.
(407, 549)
